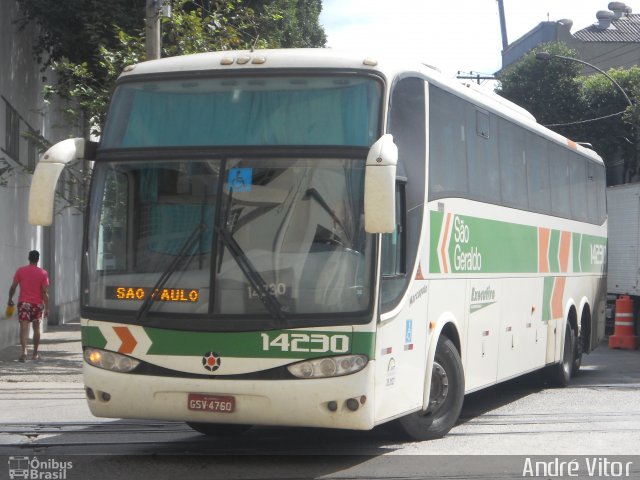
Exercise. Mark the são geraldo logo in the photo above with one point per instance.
(466, 258)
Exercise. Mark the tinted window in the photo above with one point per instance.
(482, 155)
(479, 155)
(448, 151)
(513, 167)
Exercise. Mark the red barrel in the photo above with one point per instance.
(623, 332)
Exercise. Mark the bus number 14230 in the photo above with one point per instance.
(303, 342)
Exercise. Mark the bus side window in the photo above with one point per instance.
(114, 222)
(394, 251)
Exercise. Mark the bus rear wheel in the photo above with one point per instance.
(578, 349)
(219, 429)
(445, 399)
(560, 374)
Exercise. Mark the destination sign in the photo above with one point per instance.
(127, 293)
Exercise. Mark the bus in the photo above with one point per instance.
(320, 239)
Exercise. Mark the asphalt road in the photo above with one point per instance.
(596, 419)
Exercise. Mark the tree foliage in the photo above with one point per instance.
(89, 42)
(584, 108)
(74, 29)
(616, 138)
(549, 90)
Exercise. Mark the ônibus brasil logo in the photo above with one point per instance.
(33, 468)
(211, 361)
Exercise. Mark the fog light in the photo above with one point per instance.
(352, 404)
(89, 393)
(332, 406)
(105, 397)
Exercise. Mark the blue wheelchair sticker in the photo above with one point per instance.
(408, 332)
(239, 179)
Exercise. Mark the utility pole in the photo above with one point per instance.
(152, 29)
(474, 76)
(503, 25)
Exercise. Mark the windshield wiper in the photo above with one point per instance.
(170, 270)
(268, 299)
(265, 295)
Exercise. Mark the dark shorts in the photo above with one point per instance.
(29, 312)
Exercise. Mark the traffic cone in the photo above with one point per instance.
(623, 333)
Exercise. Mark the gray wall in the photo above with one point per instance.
(21, 89)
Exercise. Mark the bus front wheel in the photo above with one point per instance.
(445, 399)
(219, 429)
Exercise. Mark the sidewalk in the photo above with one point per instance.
(60, 358)
(44, 391)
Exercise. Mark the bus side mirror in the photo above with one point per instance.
(380, 186)
(45, 177)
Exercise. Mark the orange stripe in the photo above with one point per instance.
(543, 249)
(565, 245)
(419, 275)
(556, 297)
(128, 341)
(443, 247)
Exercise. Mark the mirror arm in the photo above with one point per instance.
(46, 174)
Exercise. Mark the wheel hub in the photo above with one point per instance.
(439, 387)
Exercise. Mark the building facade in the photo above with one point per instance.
(24, 115)
(613, 41)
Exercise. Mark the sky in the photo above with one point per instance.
(453, 35)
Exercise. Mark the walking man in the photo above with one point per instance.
(32, 302)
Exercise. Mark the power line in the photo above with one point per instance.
(584, 121)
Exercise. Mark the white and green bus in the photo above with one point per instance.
(307, 238)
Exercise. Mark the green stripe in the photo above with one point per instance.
(576, 240)
(589, 253)
(488, 246)
(276, 344)
(436, 227)
(92, 337)
(479, 245)
(546, 298)
(554, 249)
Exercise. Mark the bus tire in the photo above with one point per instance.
(560, 373)
(577, 355)
(219, 429)
(445, 399)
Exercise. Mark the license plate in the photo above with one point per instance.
(211, 403)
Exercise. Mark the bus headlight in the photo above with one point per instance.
(109, 360)
(329, 367)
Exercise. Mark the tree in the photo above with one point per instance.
(292, 23)
(87, 43)
(616, 138)
(550, 91)
(75, 29)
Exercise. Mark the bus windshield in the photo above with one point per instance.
(340, 110)
(269, 237)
